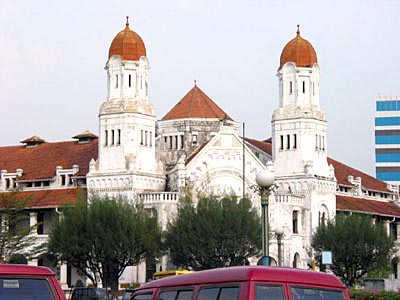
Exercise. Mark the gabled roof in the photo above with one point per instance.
(51, 198)
(40, 162)
(342, 172)
(196, 104)
(195, 152)
(344, 203)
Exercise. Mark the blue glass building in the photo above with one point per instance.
(387, 139)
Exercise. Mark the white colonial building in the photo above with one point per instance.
(196, 147)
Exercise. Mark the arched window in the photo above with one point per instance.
(296, 260)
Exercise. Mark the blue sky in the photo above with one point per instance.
(52, 58)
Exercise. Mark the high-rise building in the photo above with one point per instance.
(387, 139)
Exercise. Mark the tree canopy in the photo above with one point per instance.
(15, 228)
(358, 246)
(104, 237)
(215, 233)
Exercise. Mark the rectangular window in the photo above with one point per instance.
(145, 138)
(219, 293)
(147, 296)
(25, 288)
(290, 87)
(112, 137)
(141, 137)
(269, 292)
(194, 139)
(129, 80)
(182, 142)
(309, 293)
(304, 87)
(281, 147)
(295, 221)
(165, 142)
(316, 142)
(119, 137)
(176, 142)
(294, 141)
(40, 220)
(170, 142)
(288, 141)
(150, 138)
(116, 81)
(106, 138)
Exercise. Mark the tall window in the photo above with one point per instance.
(112, 137)
(281, 147)
(194, 139)
(295, 218)
(141, 137)
(290, 87)
(288, 141)
(119, 137)
(106, 138)
(129, 80)
(294, 141)
(304, 87)
(116, 80)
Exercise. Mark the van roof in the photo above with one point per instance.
(258, 273)
(11, 269)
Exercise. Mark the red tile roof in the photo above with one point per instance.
(262, 145)
(345, 203)
(40, 162)
(195, 152)
(196, 104)
(52, 197)
(342, 172)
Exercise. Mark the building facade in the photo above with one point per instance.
(196, 148)
(387, 139)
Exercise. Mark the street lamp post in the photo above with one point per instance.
(279, 235)
(265, 180)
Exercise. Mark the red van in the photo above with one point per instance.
(23, 282)
(245, 283)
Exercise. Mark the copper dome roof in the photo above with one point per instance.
(127, 44)
(299, 51)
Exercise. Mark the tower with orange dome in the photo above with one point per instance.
(127, 122)
(299, 149)
(299, 127)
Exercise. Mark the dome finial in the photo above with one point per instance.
(195, 83)
(127, 21)
(298, 29)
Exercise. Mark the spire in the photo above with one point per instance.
(298, 30)
(127, 21)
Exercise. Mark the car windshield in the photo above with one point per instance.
(308, 293)
(25, 289)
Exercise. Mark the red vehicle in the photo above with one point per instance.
(23, 282)
(245, 283)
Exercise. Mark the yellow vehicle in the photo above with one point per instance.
(162, 274)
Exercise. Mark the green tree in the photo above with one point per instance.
(104, 237)
(358, 246)
(15, 230)
(215, 233)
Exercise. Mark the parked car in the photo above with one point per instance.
(127, 294)
(89, 293)
(23, 282)
(246, 283)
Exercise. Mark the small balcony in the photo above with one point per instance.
(152, 198)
